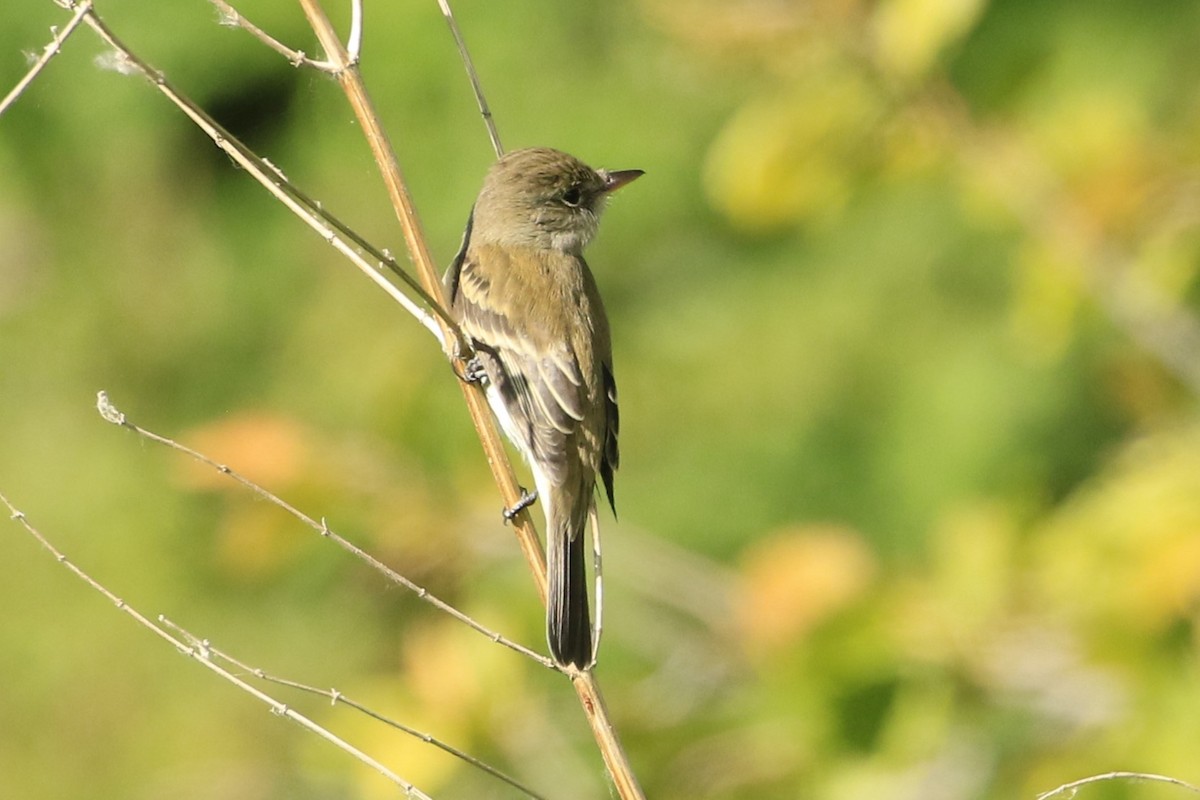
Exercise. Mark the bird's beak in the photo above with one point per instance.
(615, 180)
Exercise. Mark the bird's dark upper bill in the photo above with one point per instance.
(615, 180)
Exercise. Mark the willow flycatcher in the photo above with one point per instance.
(528, 303)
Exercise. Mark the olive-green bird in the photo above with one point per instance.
(524, 296)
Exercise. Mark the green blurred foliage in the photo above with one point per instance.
(910, 487)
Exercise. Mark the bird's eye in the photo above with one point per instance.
(572, 197)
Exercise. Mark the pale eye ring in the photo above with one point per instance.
(572, 197)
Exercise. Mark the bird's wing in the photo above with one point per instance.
(611, 457)
(526, 360)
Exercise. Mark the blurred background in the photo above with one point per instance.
(905, 320)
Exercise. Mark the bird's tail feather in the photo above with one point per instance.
(568, 622)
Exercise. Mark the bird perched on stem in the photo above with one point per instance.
(525, 298)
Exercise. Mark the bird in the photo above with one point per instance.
(528, 305)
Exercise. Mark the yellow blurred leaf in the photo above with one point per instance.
(917, 139)
(269, 449)
(785, 159)
(438, 667)
(448, 683)
(415, 760)
(456, 671)
(1048, 295)
(909, 34)
(1126, 547)
(719, 24)
(796, 579)
(1167, 577)
(1103, 145)
(945, 613)
(1082, 130)
(974, 565)
(255, 540)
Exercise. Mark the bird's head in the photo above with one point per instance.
(541, 197)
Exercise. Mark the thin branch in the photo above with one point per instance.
(52, 48)
(473, 76)
(336, 697)
(233, 18)
(1073, 786)
(616, 761)
(117, 417)
(200, 655)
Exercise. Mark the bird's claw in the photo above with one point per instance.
(474, 372)
(527, 499)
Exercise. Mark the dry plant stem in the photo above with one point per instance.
(336, 697)
(48, 52)
(117, 417)
(1070, 789)
(615, 760)
(480, 100)
(277, 184)
(201, 656)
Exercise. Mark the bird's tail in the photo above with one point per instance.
(568, 621)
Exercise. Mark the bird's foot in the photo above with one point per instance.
(527, 499)
(474, 372)
(469, 371)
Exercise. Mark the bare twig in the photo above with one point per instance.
(473, 76)
(1071, 788)
(52, 48)
(201, 655)
(336, 697)
(117, 417)
(232, 17)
